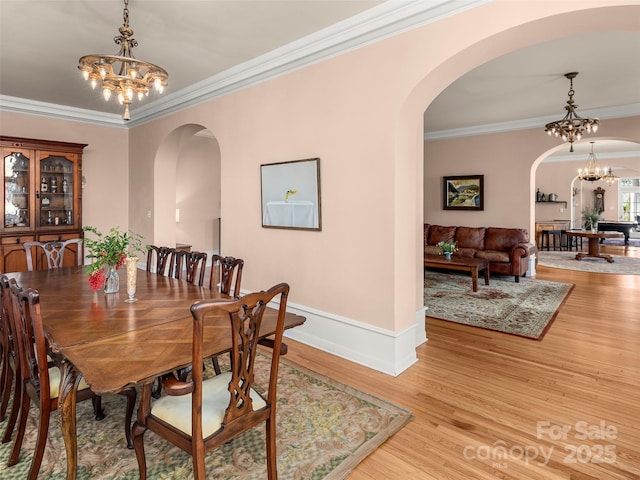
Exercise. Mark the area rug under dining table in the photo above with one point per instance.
(526, 308)
(324, 429)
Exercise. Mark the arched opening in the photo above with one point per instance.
(510, 158)
(187, 190)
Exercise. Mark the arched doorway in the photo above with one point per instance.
(187, 189)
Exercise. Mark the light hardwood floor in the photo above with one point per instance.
(473, 391)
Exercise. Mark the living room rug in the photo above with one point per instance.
(526, 308)
(621, 265)
(633, 242)
(324, 430)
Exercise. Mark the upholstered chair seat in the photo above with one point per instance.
(176, 411)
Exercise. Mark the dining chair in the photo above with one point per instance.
(53, 252)
(221, 279)
(201, 415)
(190, 266)
(164, 260)
(4, 362)
(10, 361)
(223, 270)
(39, 381)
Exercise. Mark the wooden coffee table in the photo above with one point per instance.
(594, 244)
(465, 264)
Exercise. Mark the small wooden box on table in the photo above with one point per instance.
(465, 264)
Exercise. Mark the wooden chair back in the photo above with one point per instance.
(53, 252)
(31, 348)
(223, 270)
(164, 260)
(244, 317)
(190, 266)
(10, 360)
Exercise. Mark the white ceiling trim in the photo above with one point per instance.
(60, 112)
(631, 110)
(382, 21)
(600, 157)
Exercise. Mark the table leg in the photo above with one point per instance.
(486, 275)
(474, 278)
(594, 251)
(69, 380)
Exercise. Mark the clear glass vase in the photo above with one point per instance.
(112, 280)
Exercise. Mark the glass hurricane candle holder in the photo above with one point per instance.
(132, 274)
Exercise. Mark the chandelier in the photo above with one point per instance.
(593, 172)
(123, 75)
(610, 178)
(572, 126)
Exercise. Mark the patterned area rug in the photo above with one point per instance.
(324, 430)
(622, 265)
(526, 308)
(633, 242)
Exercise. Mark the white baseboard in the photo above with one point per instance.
(383, 350)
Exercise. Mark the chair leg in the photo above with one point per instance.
(138, 443)
(131, 395)
(15, 409)
(41, 443)
(272, 465)
(6, 392)
(216, 365)
(97, 407)
(25, 402)
(3, 387)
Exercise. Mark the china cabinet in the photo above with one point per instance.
(42, 197)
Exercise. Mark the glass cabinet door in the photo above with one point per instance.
(17, 168)
(56, 191)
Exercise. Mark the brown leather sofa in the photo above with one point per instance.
(507, 249)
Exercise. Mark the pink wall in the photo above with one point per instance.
(561, 178)
(105, 198)
(509, 162)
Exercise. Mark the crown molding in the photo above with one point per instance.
(620, 111)
(59, 112)
(375, 24)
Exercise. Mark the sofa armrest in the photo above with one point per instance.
(522, 250)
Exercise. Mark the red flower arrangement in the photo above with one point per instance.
(109, 250)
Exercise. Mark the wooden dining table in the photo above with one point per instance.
(115, 345)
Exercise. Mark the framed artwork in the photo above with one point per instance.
(463, 192)
(291, 195)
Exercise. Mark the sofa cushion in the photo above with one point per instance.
(467, 237)
(494, 256)
(426, 233)
(438, 233)
(504, 239)
(466, 252)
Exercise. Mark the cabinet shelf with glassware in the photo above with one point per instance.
(42, 196)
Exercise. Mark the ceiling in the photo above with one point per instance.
(49, 36)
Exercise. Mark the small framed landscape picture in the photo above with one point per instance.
(463, 192)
